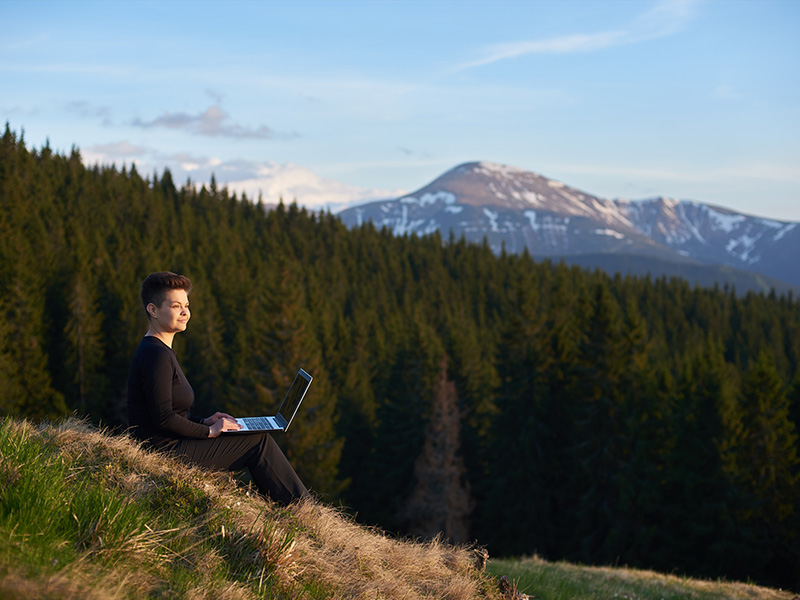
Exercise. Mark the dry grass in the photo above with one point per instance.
(306, 550)
(158, 528)
(364, 563)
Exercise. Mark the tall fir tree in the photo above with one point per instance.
(85, 355)
(441, 501)
(404, 410)
(766, 469)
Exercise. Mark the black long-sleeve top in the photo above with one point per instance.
(160, 397)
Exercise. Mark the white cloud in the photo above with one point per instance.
(665, 18)
(271, 181)
(291, 182)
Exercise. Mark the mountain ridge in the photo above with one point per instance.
(519, 210)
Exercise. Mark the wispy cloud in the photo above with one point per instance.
(86, 110)
(20, 111)
(123, 149)
(215, 95)
(664, 19)
(411, 153)
(213, 122)
(755, 171)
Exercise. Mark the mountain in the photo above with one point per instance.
(518, 209)
(715, 235)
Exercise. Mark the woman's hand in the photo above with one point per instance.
(223, 423)
(216, 417)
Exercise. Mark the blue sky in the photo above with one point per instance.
(335, 101)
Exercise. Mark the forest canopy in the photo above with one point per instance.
(532, 406)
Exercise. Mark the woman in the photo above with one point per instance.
(160, 398)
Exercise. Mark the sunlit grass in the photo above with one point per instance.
(563, 581)
(86, 515)
(70, 508)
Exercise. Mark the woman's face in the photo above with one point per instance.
(173, 314)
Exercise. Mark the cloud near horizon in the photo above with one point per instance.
(213, 122)
(270, 181)
(123, 149)
(665, 18)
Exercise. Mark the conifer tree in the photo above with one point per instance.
(10, 374)
(441, 501)
(597, 446)
(85, 347)
(313, 445)
(358, 405)
(207, 359)
(696, 503)
(405, 399)
(513, 490)
(766, 465)
(25, 316)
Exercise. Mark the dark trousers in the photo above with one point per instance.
(271, 472)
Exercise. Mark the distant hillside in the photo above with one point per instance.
(516, 210)
(696, 274)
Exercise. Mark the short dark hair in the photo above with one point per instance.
(156, 286)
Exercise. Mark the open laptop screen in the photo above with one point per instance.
(292, 401)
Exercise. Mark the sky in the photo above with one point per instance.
(334, 102)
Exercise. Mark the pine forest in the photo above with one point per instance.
(530, 406)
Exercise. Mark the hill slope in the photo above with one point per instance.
(88, 515)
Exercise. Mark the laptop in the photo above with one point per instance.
(286, 411)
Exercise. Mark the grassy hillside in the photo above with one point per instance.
(563, 581)
(88, 515)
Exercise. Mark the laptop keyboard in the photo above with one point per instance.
(259, 423)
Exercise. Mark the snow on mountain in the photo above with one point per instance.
(518, 209)
(716, 235)
(510, 207)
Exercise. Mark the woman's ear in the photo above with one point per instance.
(151, 310)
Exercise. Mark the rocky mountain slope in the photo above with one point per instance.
(714, 235)
(519, 209)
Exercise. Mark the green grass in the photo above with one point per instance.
(563, 581)
(65, 511)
